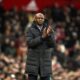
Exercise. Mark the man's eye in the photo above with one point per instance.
(40, 18)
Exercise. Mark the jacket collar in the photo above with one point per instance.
(34, 25)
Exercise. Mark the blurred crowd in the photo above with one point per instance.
(65, 22)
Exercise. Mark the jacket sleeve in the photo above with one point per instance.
(51, 41)
(31, 40)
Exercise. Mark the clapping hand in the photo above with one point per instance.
(46, 32)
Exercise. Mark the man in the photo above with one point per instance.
(40, 44)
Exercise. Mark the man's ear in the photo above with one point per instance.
(34, 18)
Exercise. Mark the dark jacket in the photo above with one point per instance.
(39, 55)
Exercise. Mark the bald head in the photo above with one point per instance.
(39, 18)
(39, 15)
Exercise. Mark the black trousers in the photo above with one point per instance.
(33, 77)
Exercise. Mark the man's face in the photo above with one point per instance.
(39, 19)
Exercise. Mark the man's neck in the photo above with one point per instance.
(40, 27)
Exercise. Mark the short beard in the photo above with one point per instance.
(39, 24)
